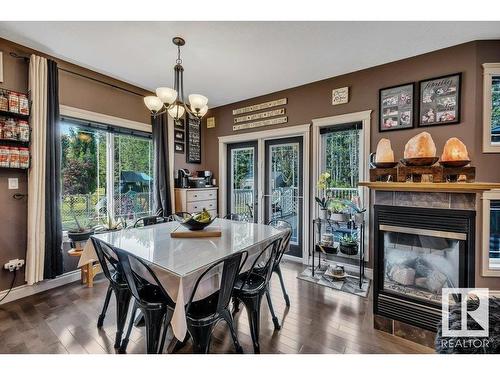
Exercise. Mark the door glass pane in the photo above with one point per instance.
(243, 181)
(133, 177)
(495, 234)
(83, 176)
(284, 185)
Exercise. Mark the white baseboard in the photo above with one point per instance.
(28, 290)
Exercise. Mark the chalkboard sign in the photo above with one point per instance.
(193, 140)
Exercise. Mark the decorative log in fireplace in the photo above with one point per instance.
(419, 251)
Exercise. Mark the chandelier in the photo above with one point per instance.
(172, 100)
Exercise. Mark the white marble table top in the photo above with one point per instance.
(183, 256)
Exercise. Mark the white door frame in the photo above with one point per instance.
(261, 137)
(318, 123)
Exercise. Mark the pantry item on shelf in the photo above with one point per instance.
(2, 124)
(4, 156)
(14, 157)
(24, 157)
(420, 151)
(9, 129)
(454, 154)
(24, 104)
(4, 101)
(23, 131)
(384, 157)
(13, 102)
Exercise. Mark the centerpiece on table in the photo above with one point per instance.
(196, 221)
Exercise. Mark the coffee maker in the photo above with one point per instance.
(181, 179)
(207, 175)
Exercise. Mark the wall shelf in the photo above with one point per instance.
(15, 115)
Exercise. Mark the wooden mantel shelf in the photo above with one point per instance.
(459, 187)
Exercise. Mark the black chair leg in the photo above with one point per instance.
(123, 345)
(201, 336)
(271, 309)
(122, 305)
(236, 305)
(100, 320)
(153, 320)
(166, 323)
(277, 269)
(229, 320)
(252, 305)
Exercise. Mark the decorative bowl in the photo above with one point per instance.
(419, 162)
(186, 219)
(454, 163)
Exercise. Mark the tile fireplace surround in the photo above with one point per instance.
(434, 202)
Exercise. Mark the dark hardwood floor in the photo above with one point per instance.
(320, 320)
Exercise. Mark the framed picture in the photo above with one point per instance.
(179, 136)
(396, 107)
(439, 100)
(179, 124)
(340, 96)
(179, 147)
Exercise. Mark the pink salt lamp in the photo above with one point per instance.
(454, 150)
(420, 146)
(384, 152)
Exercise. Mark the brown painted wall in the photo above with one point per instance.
(314, 101)
(75, 91)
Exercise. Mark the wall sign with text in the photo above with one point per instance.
(193, 140)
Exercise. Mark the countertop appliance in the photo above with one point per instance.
(181, 180)
(207, 175)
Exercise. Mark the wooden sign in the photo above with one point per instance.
(340, 96)
(193, 140)
(260, 115)
(256, 124)
(258, 107)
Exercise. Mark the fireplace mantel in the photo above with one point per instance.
(449, 187)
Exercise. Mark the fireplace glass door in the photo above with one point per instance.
(418, 263)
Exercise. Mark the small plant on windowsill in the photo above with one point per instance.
(110, 224)
(349, 244)
(322, 199)
(82, 232)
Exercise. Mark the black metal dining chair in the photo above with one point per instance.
(235, 217)
(203, 315)
(285, 243)
(114, 273)
(250, 286)
(151, 220)
(150, 298)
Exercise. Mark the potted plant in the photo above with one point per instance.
(82, 232)
(337, 210)
(349, 244)
(322, 199)
(110, 224)
(357, 212)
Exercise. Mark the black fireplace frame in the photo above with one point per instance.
(404, 308)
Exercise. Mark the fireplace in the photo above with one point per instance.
(419, 251)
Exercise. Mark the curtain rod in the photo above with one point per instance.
(26, 58)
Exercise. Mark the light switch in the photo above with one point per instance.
(13, 183)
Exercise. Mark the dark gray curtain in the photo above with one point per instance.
(161, 185)
(53, 265)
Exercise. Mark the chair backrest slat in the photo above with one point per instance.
(282, 224)
(107, 258)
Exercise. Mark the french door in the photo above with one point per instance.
(283, 187)
(242, 178)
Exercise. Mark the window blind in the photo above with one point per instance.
(341, 127)
(92, 125)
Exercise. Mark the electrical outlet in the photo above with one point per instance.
(14, 264)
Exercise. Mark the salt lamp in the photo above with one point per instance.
(384, 152)
(454, 149)
(420, 146)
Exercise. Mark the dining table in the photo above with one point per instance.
(178, 262)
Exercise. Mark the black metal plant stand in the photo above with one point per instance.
(317, 228)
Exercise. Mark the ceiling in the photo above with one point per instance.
(232, 61)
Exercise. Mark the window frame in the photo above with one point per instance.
(489, 70)
(84, 115)
(486, 270)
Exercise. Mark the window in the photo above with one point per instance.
(340, 148)
(104, 169)
(491, 108)
(491, 233)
